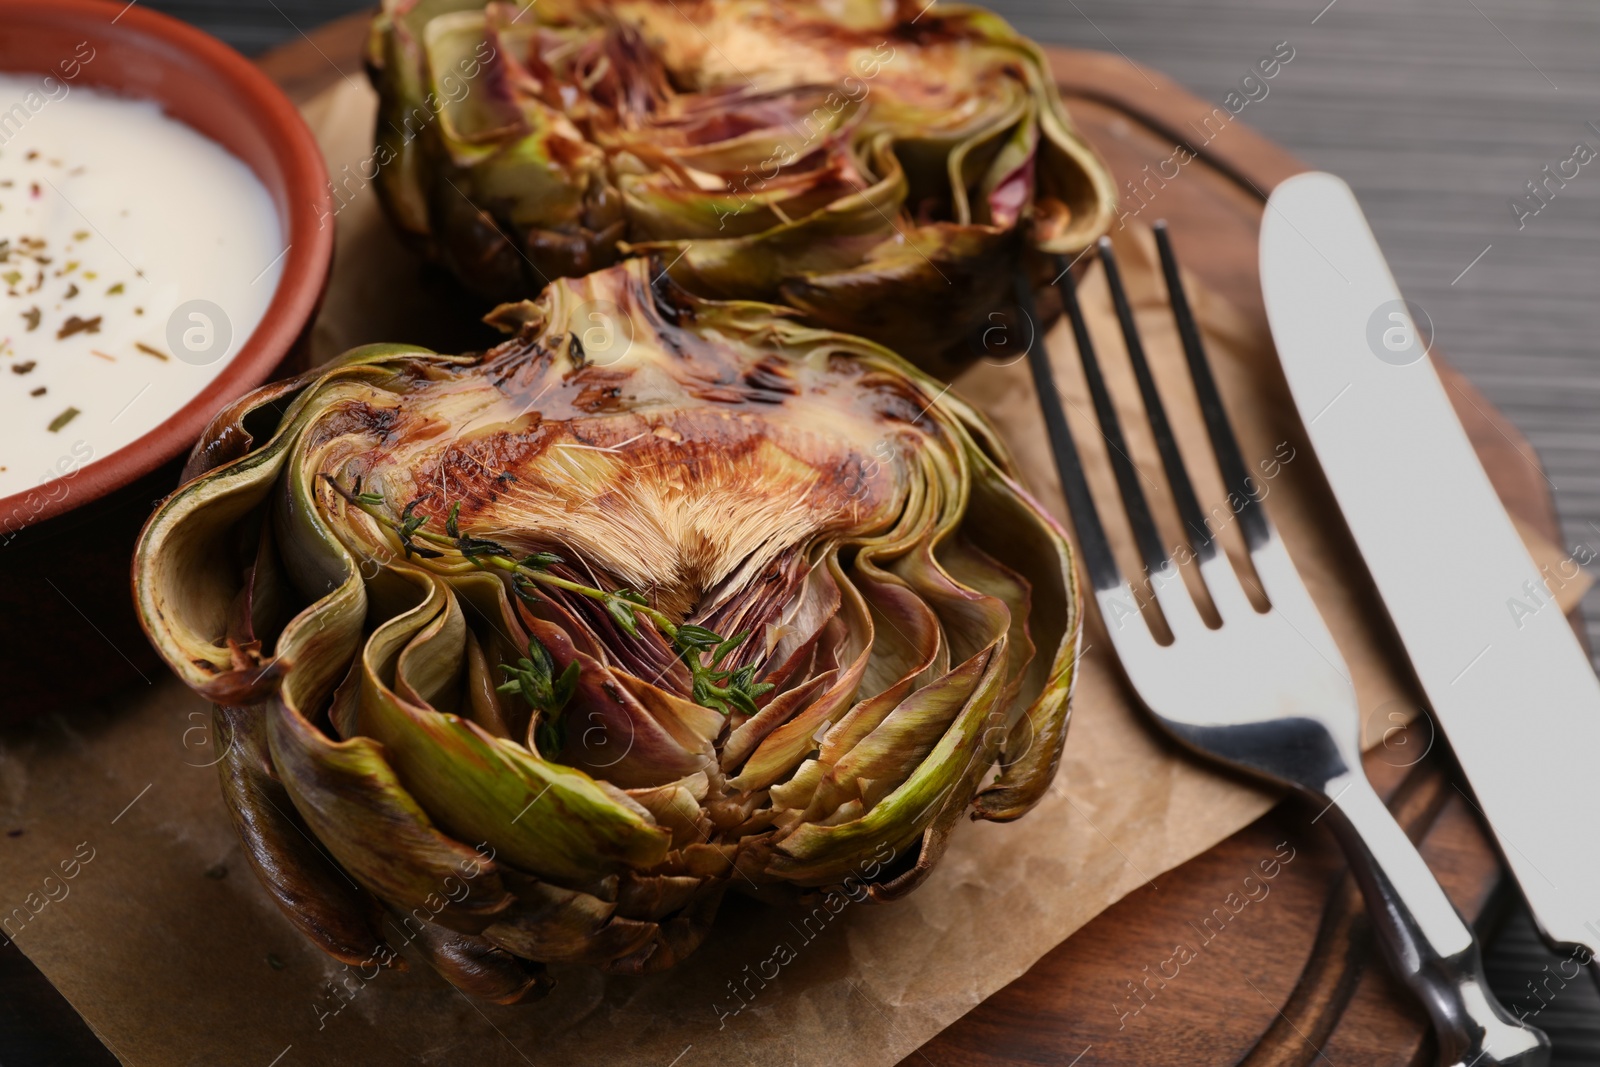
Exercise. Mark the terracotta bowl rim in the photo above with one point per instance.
(307, 260)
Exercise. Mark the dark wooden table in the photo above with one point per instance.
(1438, 112)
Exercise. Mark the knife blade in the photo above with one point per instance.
(1508, 683)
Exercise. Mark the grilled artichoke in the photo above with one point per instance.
(548, 647)
(878, 165)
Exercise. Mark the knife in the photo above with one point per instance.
(1507, 681)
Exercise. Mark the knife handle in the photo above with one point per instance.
(1424, 938)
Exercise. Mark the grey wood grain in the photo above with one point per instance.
(253, 26)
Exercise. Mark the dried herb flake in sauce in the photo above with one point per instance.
(76, 325)
(62, 419)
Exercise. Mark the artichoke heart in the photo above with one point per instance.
(524, 658)
(881, 166)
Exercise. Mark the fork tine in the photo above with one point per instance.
(1133, 498)
(1194, 520)
(1095, 549)
(1177, 608)
(1235, 477)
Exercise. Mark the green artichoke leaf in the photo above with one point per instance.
(353, 803)
(1033, 544)
(819, 855)
(666, 209)
(398, 64)
(187, 572)
(881, 761)
(612, 733)
(567, 926)
(431, 668)
(756, 266)
(552, 821)
(479, 968)
(970, 588)
(1007, 185)
(906, 637)
(472, 121)
(901, 293)
(527, 183)
(1075, 197)
(747, 133)
(784, 748)
(315, 895)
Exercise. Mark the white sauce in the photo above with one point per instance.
(113, 218)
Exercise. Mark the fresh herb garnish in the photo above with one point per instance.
(548, 694)
(703, 651)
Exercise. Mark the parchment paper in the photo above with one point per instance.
(165, 943)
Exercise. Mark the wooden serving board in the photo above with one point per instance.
(1296, 979)
(1287, 984)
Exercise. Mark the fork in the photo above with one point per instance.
(1266, 692)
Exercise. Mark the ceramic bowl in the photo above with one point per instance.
(68, 636)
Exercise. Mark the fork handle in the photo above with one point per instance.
(1423, 936)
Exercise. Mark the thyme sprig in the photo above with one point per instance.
(702, 651)
(535, 678)
(710, 686)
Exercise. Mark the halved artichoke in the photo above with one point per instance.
(540, 651)
(879, 165)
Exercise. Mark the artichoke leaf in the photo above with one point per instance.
(653, 897)
(185, 574)
(567, 926)
(750, 733)
(821, 855)
(1034, 545)
(430, 667)
(758, 265)
(1007, 187)
(676, 937)
(552, 821)
(313, 892)
(356, 807)
(477, 967)
(882, 760)
(985, 582)
(483, 704)
(783, 749)
(902, 292)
